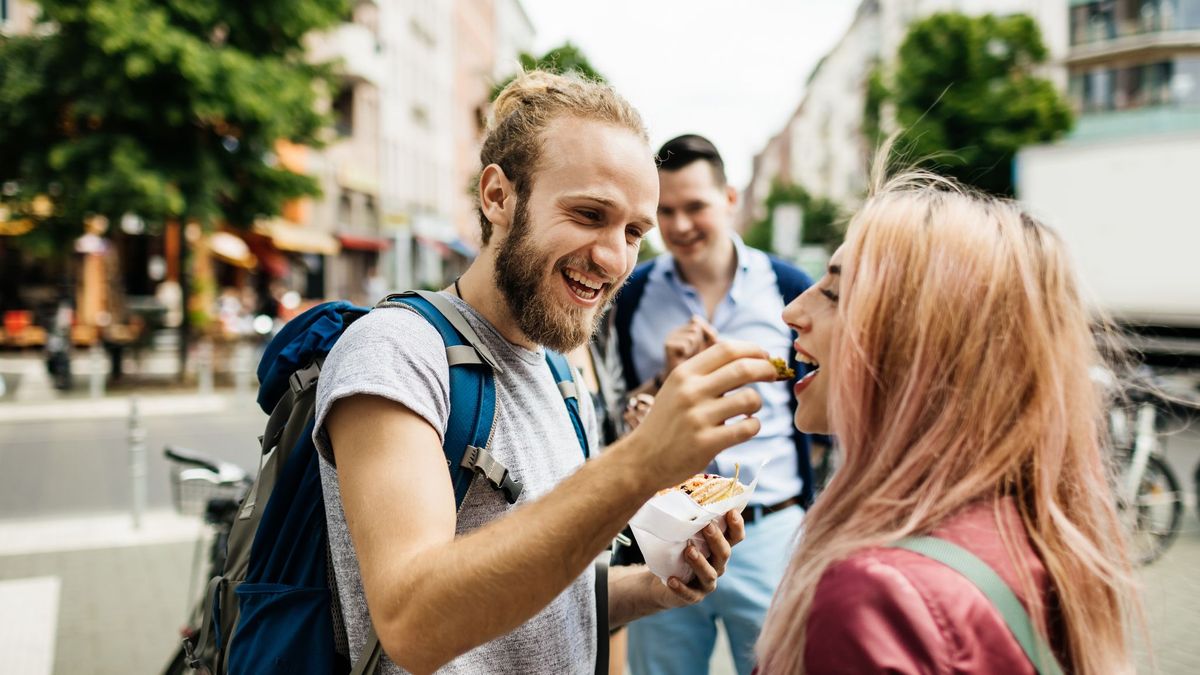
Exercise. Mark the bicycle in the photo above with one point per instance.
(1149, 497)
(203, 486)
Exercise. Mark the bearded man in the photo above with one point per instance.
(567, 192)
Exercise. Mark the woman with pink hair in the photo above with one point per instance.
(952, 350)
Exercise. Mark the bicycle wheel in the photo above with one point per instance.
(1155, 521)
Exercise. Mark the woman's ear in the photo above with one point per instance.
(496, 196)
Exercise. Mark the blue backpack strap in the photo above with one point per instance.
(472, 399)
(791, 282)
(561, 369)
(626, 305)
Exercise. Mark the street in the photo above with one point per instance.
(81, 591)
(67, 465)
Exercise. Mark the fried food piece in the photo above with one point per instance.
(709, 488)
(782, 371)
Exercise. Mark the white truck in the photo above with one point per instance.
(1129, 211)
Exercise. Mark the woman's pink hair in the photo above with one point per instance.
(959, 373)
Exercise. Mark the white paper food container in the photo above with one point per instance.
(665, 524)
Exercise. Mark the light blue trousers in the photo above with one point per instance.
(676, 642)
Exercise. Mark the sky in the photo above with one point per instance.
(731, 71)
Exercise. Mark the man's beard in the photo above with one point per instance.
(520, 275)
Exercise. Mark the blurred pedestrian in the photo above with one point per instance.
(954, 353)
(708, 285)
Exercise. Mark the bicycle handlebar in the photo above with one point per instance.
(192, 457)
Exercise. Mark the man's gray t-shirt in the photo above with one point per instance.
(394, 353)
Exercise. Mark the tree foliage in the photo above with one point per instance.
(563, 59)
(823, 218)
(168, 109)
(965, 92)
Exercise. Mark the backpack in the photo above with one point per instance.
(275, 607)
(790, 281)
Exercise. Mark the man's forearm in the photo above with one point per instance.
(515, 566)
(630, 596)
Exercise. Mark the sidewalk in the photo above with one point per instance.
(91, 595)
(24, 378)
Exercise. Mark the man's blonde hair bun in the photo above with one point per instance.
(527, 105)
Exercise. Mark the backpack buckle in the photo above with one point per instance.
(191, 659)
(482, 462)
(304, 378)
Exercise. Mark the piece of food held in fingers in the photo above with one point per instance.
(710, 488)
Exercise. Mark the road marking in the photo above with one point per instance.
(108, 530)
(28, 623)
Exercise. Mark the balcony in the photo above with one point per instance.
(1119, 124)
(1101, 29)
(1135, 46)
(355, 48)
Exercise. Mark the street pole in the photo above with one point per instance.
(137, 462)
(96, 373)
(242, 366)
(204, 366)
(185, 299)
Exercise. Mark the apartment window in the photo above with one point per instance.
(1187, 14)
(420, 115)
(1075, 91)
(1156, 83)
(345, 215)
(343, 112)
(1185, 81)
(371, 213)
(1093, 22)
(3, 11)
(422, 33)
(1098, 90)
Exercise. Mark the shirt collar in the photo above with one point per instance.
(664, 266)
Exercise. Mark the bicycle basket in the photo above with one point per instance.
(193, 488)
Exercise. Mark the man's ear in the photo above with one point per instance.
(731, 194)
(497, 197)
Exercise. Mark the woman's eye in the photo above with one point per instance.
(833, 297)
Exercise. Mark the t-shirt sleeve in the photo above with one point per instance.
(393, 353)
(867, 617)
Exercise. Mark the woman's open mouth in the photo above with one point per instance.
(814, 368)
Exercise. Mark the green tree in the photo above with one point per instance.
(168, 109)
(964, 91)
(823, 218)
(565, 58)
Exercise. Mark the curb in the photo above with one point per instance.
(30, 536)
(115, 406)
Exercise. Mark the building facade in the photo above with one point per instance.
(822, 146)
(1120, 189)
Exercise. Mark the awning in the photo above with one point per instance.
(463, 248)
(15, 228)
(356, 242)
(270, 260)
(291, 237)
(435, 245)
(230, 248)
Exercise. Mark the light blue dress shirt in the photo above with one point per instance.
(751, 311)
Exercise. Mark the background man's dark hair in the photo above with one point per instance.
(683, 150)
